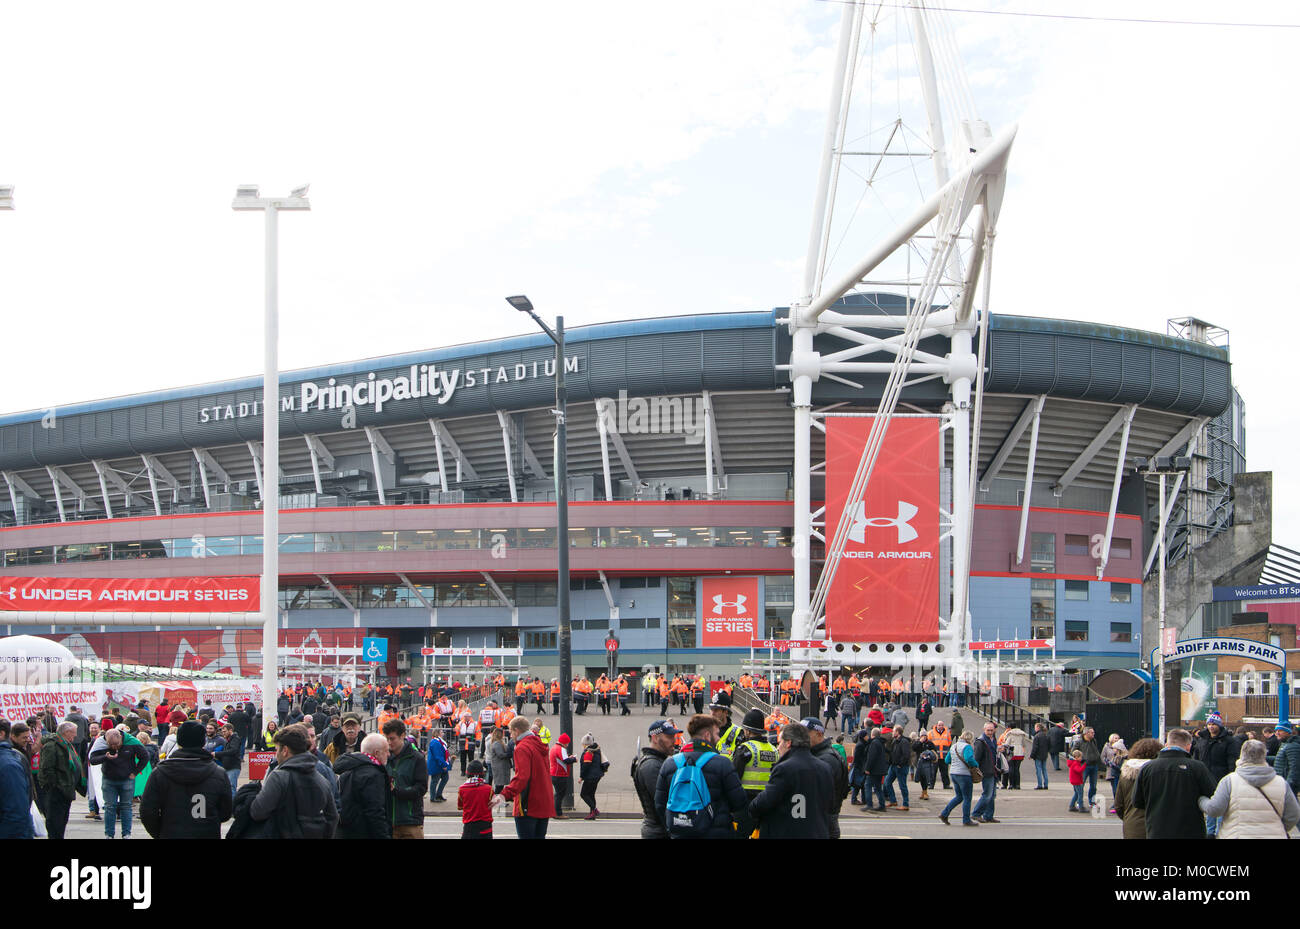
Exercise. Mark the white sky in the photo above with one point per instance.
(611, 161)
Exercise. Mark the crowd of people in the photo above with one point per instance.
(176, 768)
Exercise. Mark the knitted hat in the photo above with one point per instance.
(1214, 718)
(588, 739)
(191, 735)
(564, 738)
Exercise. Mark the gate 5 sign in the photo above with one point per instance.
(886, 587)
(729, 610)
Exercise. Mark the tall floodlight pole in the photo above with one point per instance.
(1160, 676)
(247, 198)
(1161, 468)
(564, 634)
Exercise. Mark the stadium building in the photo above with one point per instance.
(417, 495)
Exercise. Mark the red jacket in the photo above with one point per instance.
(558, 767)
(530, 788)
(474, 799)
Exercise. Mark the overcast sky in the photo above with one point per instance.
(610, 160)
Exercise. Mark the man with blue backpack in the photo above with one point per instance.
(698, 793)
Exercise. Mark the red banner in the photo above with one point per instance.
(887, 584)
(729, 606)
(130, 595)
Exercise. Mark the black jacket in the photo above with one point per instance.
(1168, 789)
(241, 721)
(900, 752)
(308, 706)
(410, 774)
(1057, 735)
(798, 799)
(729, 800)
(592, 765)
(130, 761)
(1040, 749)
(186, 797)
(299, 787)
(283, 705)
(986, 756)
(877, 760)
(319, 721)
(824, 751)
(645, 775)
(367, 798)
(1217, 753)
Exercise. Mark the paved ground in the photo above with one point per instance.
(1023, 813)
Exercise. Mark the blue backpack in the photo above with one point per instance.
(690, 806)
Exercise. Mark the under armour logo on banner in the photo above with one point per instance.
(719, 603)
(906, 533)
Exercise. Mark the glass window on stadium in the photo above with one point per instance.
(1121, 548)
(681, 612)
(1043, 553)
(536, 640)
(1076, 590)
(507, 638)
(1121, 632)
(1076, 545)
(778, 606)
(1042, 609)
(1076, 630)
(1121, 593)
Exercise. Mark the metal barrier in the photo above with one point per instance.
(1012, 716)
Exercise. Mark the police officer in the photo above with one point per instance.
(754, 757)
(731, 733)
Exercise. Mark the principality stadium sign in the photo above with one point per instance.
(374, 391)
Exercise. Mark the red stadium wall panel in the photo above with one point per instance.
(225, 651)
(138, 595)
(887, 585)
(729, 612)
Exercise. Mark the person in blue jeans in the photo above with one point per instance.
(1040, 749)
(121, 762)
(230, 755)
(986, 753)
(961, 759)
(439, 765)
(900, 765)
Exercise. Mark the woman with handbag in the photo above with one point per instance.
(591, 769)
(965, 774)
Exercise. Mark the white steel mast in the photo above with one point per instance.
(960, 214)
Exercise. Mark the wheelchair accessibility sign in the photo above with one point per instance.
(374, 649)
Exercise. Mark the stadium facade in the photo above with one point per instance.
(415, 492)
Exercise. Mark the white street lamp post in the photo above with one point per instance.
(247, 198)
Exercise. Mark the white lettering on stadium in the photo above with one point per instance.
(420, 382)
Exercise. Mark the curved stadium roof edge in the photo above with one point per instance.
(749, 320)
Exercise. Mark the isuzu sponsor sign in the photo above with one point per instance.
(1219, 647)
(886, 587)
(374, 391)
(728, 612)
(134, 595)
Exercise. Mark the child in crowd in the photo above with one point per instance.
(1077, 767)
(474, 800)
